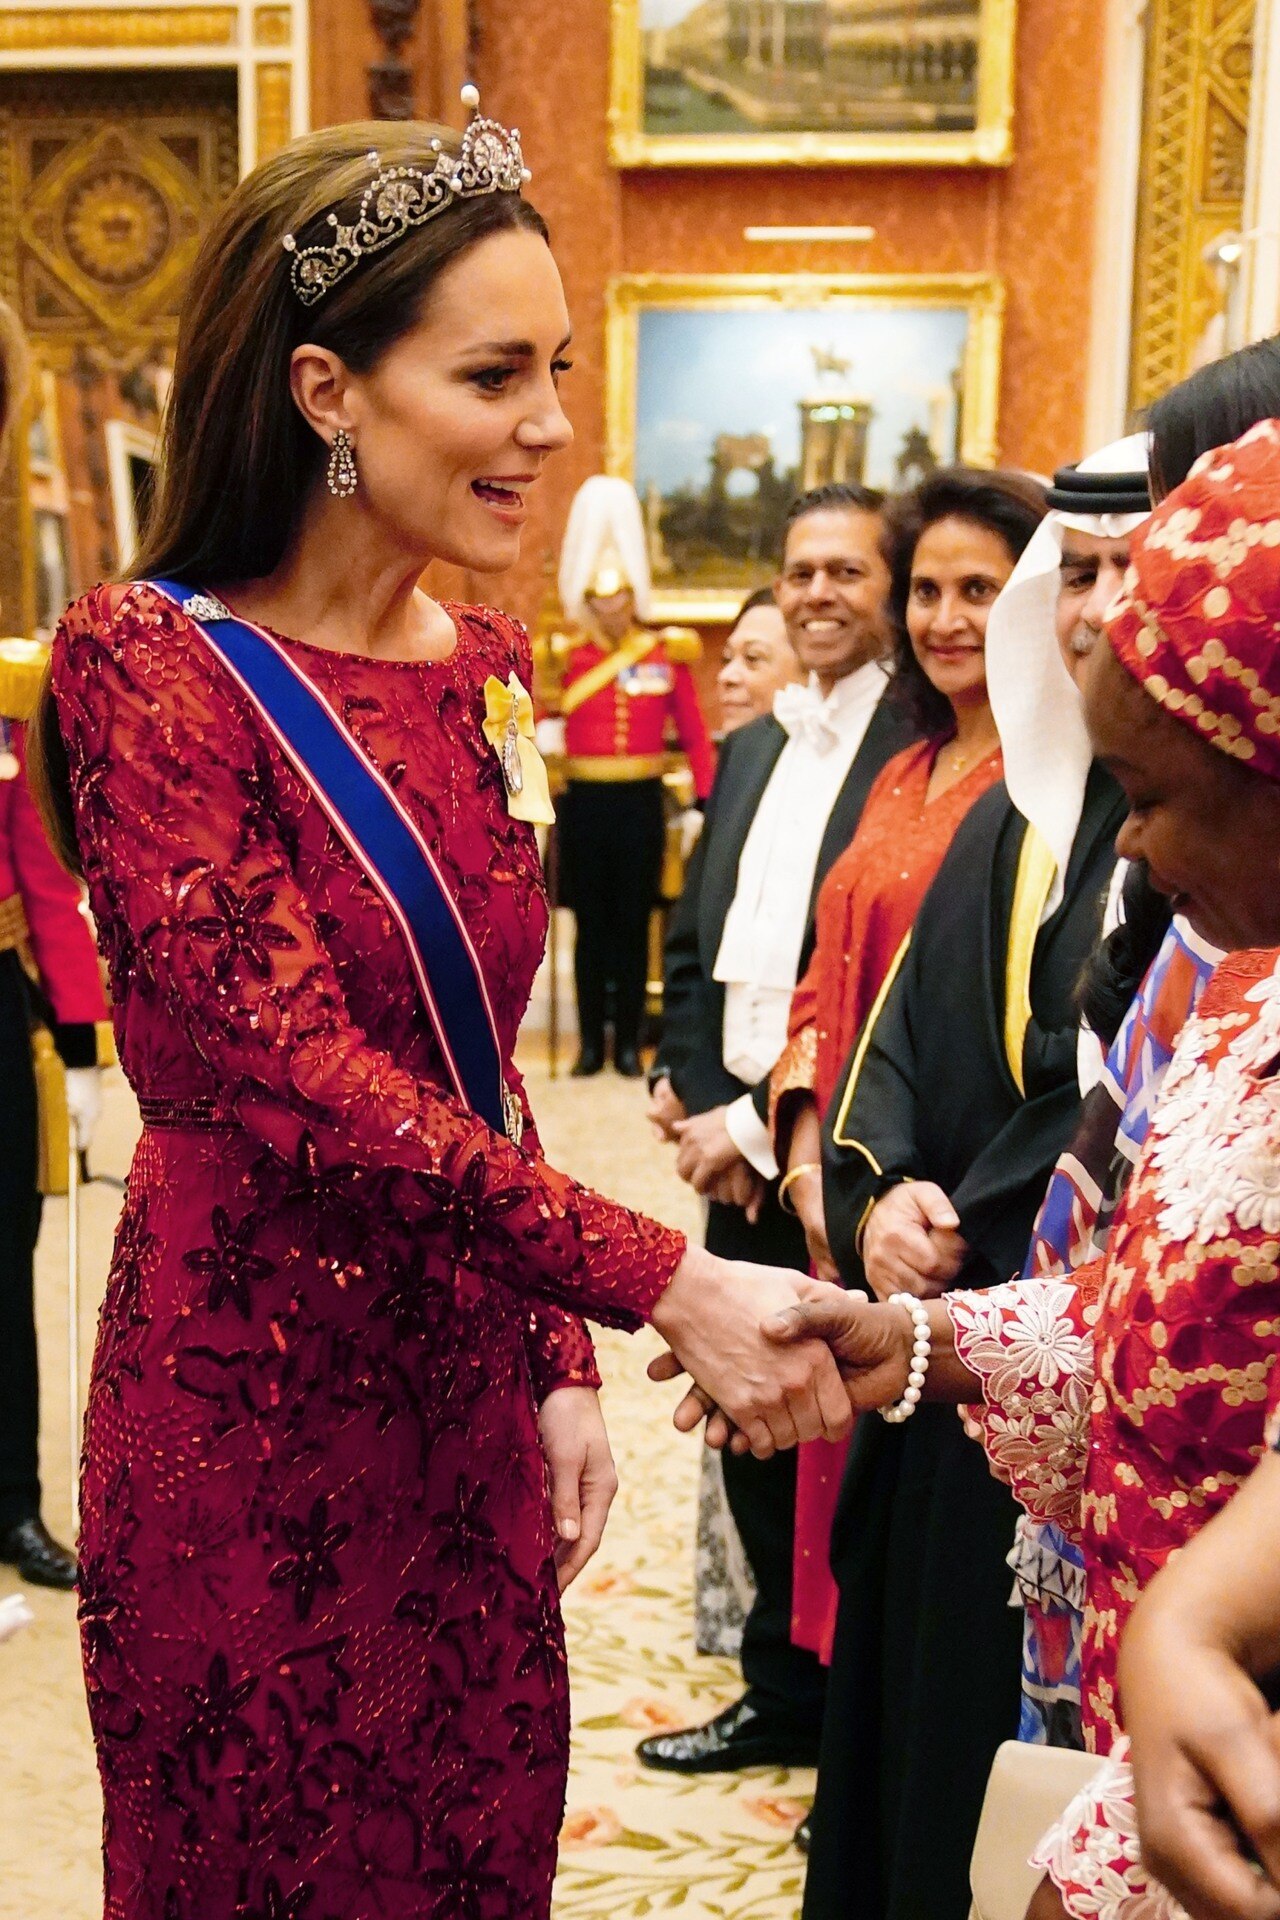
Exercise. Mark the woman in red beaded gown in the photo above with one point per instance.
(340, 1354)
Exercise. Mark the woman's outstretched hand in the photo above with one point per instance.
(581, 1478)
(776, 1393)
(871, 1343)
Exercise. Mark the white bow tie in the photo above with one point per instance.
(802, 712)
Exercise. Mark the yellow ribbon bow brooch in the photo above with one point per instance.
(508, 727)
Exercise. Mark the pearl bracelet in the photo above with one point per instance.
(921, 1350)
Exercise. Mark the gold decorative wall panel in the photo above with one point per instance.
(263, 44)
(1195, 126)
(272, 26)
(40, 29)
(105, 188)
(275, 109)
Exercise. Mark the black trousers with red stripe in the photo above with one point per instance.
(19, 1226)
(611, 839)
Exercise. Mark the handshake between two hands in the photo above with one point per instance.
(775, 1358)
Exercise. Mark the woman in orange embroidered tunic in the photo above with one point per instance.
(957, 539)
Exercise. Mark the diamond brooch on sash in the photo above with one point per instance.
(206, 606)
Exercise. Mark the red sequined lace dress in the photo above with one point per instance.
(320, 1624)
(1127, 1403)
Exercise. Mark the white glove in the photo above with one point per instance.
(548, 736)
(84, 1103)
(14, 1614)
(691, 824)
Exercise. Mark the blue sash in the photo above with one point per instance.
(380, 834)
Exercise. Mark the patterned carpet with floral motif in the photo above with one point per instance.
(635, 1843)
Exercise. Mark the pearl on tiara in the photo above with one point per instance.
(398, 198)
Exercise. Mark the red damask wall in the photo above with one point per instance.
(544, 66)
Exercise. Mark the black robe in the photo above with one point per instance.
(966, 1076)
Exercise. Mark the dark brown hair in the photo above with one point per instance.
(762, 597)
(238, 460)
(836, 496)
(1211, 408)
(1006, 503)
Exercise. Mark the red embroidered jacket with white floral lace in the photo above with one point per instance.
(1129, 1403)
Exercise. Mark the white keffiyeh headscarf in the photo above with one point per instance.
(1035, 702)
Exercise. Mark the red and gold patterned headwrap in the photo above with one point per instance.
(1198, 621)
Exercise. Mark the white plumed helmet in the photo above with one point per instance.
(605, 548)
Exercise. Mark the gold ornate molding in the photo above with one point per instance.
(275, 109)
(1192, 179)
(261, 44)
(272, 26)
(105, 187)
(41, 29)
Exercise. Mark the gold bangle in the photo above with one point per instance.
(789, 1180)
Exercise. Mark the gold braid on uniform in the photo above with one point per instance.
(683, 645)
(22, 664)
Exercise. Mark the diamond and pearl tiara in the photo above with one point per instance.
(397, 198)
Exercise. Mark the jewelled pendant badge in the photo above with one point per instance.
(511, 756)
(508, 727)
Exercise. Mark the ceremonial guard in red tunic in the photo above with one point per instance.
(614, 692)
(48, 972)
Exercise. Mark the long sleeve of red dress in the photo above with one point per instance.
(163, 770)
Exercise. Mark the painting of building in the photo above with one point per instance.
(720, 77)
(726, 402)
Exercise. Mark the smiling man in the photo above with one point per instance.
(787, 799)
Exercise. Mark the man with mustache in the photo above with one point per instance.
(787, 799)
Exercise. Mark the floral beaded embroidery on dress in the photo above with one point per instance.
(318, 1605)
(1217, 1129)
(1094, 1387)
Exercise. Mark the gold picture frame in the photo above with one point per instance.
(713, 412)
(756, 83)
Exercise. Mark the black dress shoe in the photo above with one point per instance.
(628, 1065)
(738, 1737)
(32, 1549)
(588, 1062)
(802, 1836)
